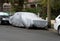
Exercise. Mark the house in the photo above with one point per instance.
(1, 4)
(27, 3)
(32, 3)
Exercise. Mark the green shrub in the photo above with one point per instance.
(34, 10)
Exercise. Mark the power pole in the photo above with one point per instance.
(49, 13)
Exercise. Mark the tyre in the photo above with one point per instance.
(2, 22)
(46, 27)
(59, 30)
(27, 27)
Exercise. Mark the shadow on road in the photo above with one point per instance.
(30, 28)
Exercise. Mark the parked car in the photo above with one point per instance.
(27, 19)
(57, 24)
(4, 17)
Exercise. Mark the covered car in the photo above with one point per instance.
(27, 19)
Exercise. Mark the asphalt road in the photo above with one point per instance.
(10, 33)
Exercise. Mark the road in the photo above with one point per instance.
(10, 33)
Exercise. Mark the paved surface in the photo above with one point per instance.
(10, 33)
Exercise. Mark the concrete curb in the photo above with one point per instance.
(52, 30)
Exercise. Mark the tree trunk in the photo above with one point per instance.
(48, 13)
(1, 5)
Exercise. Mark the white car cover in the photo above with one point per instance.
(16, 20)
(25, 19)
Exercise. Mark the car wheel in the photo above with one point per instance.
(2, 22)
(46, 27)
(59, 30)
(26, 27)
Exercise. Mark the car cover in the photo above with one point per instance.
(16, 20)
(24, 19)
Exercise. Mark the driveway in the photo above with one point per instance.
(10, 33)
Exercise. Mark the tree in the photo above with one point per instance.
(1, 5)
(17, 4)
(49, 13)
(50, 4)
(56, 4)
(21, 2)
